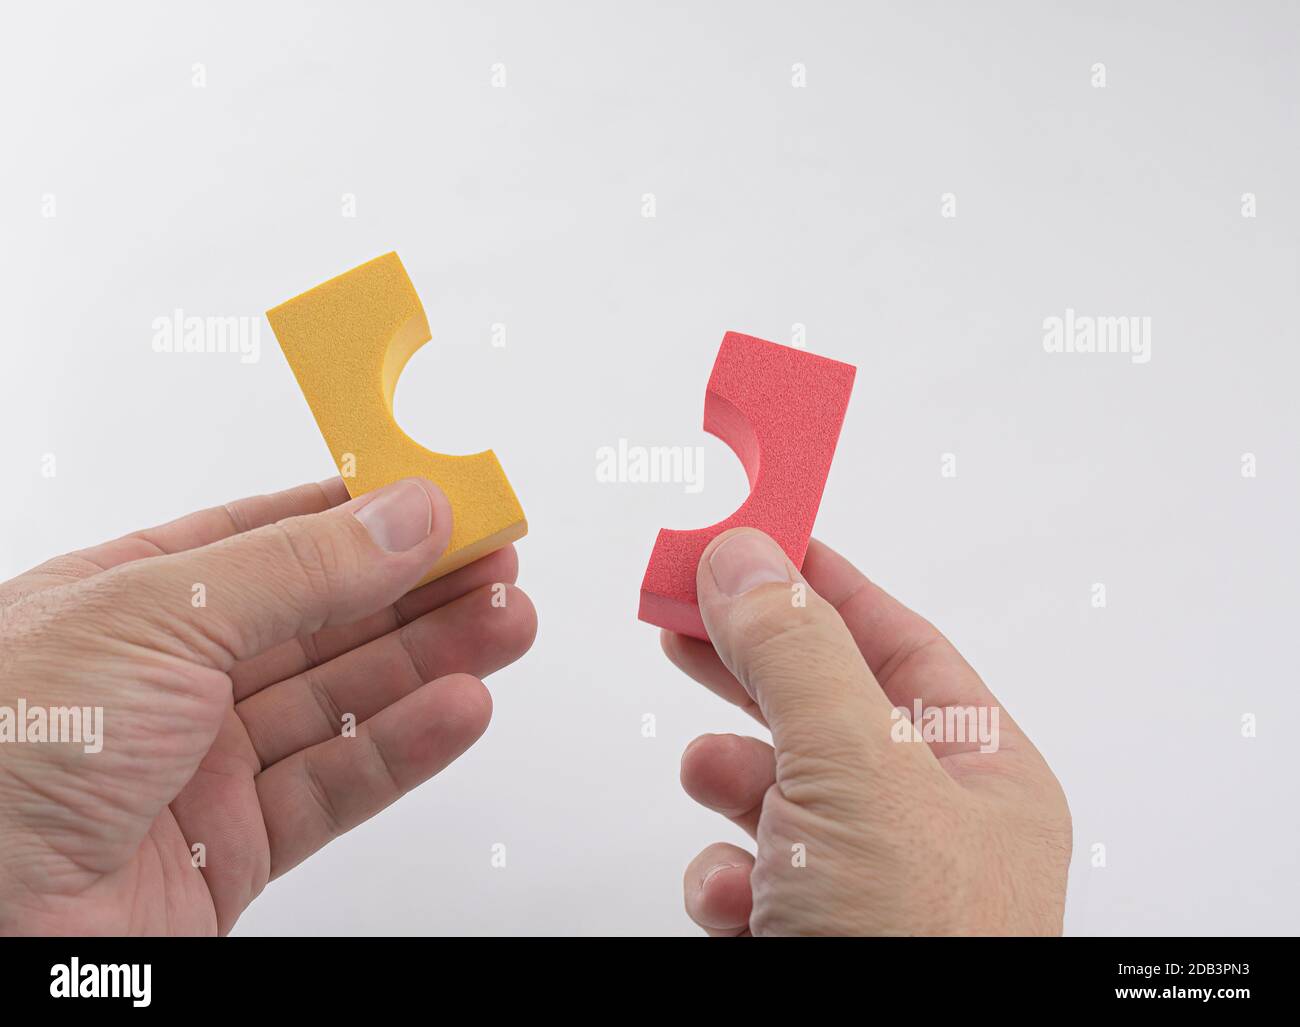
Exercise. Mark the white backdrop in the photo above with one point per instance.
(167, 156)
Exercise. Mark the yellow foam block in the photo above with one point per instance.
(347, 342)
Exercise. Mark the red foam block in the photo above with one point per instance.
(780, 410)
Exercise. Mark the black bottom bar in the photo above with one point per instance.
(473, 977)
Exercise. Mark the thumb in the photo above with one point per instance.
(792, 652)
(291, 578)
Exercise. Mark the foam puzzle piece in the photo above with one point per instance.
(347, 342)
(780, 409)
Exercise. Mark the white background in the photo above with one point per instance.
(775, 206)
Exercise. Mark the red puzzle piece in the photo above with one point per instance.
(781, 410)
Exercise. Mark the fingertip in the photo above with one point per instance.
(507, 560)
(707, 774)
(737, 568)
(701, 756)
(464, 707)
(726, 897)
(730, 533)
(692, 759)
(521, 620)
(717, 890)
(334, 490)
(671, 644)
(441, 519)
(728, 773)
(685, 653)
(430, 728)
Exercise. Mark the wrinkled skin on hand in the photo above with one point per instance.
(859, 827)
(225, 722)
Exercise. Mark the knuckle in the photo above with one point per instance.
(410, 638)
(778, 639)
(330, 711)
(768, 618)
(319, 560)
(322, 800)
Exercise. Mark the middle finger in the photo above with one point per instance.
(472, 635)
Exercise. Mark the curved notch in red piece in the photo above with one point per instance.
(781, 410)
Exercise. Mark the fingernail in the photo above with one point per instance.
(746, 560)
(399, 518)
(715, 871)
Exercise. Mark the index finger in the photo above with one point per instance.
(189, 532)
(909, 656)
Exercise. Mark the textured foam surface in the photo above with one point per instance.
(780, 410)
(347, 342)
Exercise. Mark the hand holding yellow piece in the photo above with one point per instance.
(347, 342)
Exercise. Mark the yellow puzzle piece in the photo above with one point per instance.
(347, 342)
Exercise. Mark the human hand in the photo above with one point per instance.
(225, 724)
(895, 835)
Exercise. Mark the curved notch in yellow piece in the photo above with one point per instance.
(347, 342)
